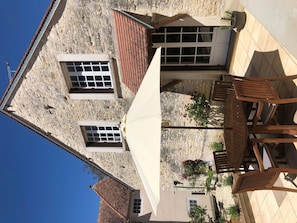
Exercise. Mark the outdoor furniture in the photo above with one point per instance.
(221, 90)
(261, 92)
(257, 180)
(236, 131)
(223, 164)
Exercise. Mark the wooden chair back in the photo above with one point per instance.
(256, 180)
(222, 162)
(221, 90)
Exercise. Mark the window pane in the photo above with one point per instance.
(206, 29)
(160, 30)
(189, 29)
(189, 37)
(81, 78)
(172, 60)
(187, 60)
(173, 38)
(204, 37)
(73, 78)
(70, 69)
(88, 68)
(202, 59)
(173, 51)
(173, 29)
(188, 51)
(158, 38)
(106, 78)
(203, 50)
(91, 84)
(105, 68)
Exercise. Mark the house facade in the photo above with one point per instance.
(119, 203)
(73, 86)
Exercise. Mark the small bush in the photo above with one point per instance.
(198, 109)
(233, 211)
(217, 146)
(197, 214)
(227, 181)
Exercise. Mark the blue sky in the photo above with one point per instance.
(39, 181)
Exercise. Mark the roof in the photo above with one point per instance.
(115, 200)
(133, 45)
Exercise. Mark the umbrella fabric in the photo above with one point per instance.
(143, 130)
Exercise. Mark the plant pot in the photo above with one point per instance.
(238, 20)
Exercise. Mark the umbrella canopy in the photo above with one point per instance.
(142, 129)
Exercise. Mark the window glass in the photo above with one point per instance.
(173, 29)
(188, 51)
(205, 38)
(187, 60)
(202, 59)
(173, 38)
(206, 29)
(189, 38)
(173, 51)
(203, 50)
(158, 38)
(189, 29)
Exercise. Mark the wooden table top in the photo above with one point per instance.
(236, 131)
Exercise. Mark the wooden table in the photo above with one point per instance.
(236, 131)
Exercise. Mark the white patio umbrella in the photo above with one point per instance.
(142, 129)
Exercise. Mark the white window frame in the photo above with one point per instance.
(88, 94)
(189, 200)
(167, 45)
(92, 147)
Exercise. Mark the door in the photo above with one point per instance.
(192, 46)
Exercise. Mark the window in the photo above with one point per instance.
(184, 45)
(192, 203)
(90, 76)
(136, 206)
(102, 138)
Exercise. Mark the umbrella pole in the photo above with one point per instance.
(191, 127)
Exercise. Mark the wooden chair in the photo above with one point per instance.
(222, 162)
(221, 90)
(257, 180)
(262, 179)
(261, 92)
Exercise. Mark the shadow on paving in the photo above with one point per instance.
(268, 64)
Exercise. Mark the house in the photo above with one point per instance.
(119, 203)
(84, 66)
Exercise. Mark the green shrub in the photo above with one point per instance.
(198, 109)
(233, 211)
(217, 146)
(227, 181)
(210, 176)
(197, 214)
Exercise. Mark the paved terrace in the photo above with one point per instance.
(258, 53)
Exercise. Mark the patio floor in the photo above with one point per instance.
(259, 54)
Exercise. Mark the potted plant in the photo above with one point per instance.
(237, 19)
